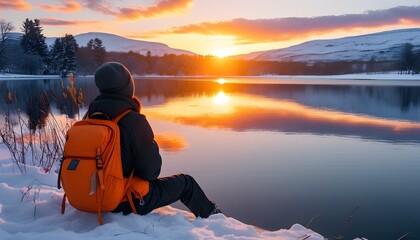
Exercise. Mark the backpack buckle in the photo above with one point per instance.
(99, 163)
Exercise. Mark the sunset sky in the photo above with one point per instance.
(216, 27)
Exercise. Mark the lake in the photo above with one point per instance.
(339, 156)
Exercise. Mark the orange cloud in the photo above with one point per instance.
(68, 6)
(18, 5)
(60, 22)
(284, 29)
(160, 8)
(135, 13)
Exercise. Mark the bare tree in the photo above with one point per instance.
(5, 28)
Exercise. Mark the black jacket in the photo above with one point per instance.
(139, 151)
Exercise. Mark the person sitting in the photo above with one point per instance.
(139, 151)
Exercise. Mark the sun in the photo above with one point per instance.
(223, 52)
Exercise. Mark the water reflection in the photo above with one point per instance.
(37, 106)
(242, 112)
(37, 98)
(221, 98)
(384, 113)
(171, 141)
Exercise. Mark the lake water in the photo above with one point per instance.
(342, 156)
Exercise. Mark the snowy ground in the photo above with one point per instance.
(359, 76)
(362, 76)
(30, 209)
(23, 76)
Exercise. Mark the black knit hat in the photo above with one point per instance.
(115, 78)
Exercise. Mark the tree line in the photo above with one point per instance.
(31, 55)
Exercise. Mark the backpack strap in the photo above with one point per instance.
(63, 204)
(100, 197)
(99, 114)
(129, 192)
(116, 119)
(99, 164)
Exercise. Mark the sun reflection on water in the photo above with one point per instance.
(221, 98)
(243, 112)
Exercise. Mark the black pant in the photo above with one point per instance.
(164, 191)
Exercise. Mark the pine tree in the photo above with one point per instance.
(99, 52)
(70, 50)
(40, 45)
(63, 55)
(27, 39)
(56, 54)
(33, 41)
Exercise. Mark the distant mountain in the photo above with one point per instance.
(115, 43)
(14, 36)
(384, 46)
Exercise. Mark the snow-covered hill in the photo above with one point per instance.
(14, 36)
(115, 43)
(383, 46)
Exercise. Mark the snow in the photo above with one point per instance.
(393, 76)
(373, 76)
(23, 76)
(30, 207)
(384, 46)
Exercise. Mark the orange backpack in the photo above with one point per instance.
(91, 170)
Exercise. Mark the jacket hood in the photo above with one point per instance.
(113, 104)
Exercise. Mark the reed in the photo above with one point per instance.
(39, 143)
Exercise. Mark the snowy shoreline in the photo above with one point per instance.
(6, 76)
(357, 76)
(30, 209)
